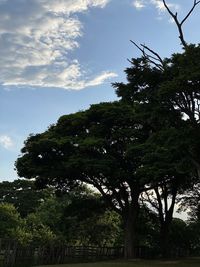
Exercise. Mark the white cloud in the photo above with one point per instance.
(36, 38)
(61, 75)
(6, 141)
(139, 4)
(158, 4)
(101, 78)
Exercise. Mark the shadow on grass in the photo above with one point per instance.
(192, 262)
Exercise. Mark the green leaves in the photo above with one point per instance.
(10, 220)
(23, 195)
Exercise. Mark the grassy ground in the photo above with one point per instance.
(136, 263)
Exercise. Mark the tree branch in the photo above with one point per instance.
(178, 23)
(191, 10)
(149, 200)
(160, 209)
(158, 58)
(150, 58)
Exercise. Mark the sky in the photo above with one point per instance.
(61, 56)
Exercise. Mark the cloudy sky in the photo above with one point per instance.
(60, 56)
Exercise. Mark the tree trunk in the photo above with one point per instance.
(130, 241)
(164, 242)
(165, 219)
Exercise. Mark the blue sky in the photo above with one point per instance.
(60, 56)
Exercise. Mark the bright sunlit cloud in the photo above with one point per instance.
(36, 38)
(139, 4)
(158, 4)
(6, 141)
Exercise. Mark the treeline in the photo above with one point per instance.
(81, 217)
(40, 217)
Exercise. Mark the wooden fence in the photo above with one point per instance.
(64, 254)
(14, 255)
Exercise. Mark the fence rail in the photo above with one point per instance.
(63, 254)
(14, 255)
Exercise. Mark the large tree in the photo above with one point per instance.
(94, 147)
(169, 105)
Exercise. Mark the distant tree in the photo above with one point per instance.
(190, 203)
(179, 237)
(25, 231)
(193, 229)
(148, 229)
(80, 217)
(9, 220)
(37, 232)
(88, 221)
(23, 195)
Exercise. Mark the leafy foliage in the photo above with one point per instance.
(10, 220)
(23, 195)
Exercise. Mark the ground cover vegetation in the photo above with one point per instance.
(140, 153)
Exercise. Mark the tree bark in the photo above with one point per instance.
(165, 217)
(165, 231)
(164, 242)
(130, 238)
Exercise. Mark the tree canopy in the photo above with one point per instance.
(23, 195)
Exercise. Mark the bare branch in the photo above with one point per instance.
(151, 59)
(130, 61)
(142, 50)
(154, 53)
(174, 16)
(178, 23)
(191, 10)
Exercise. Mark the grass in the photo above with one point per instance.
(136, 263)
